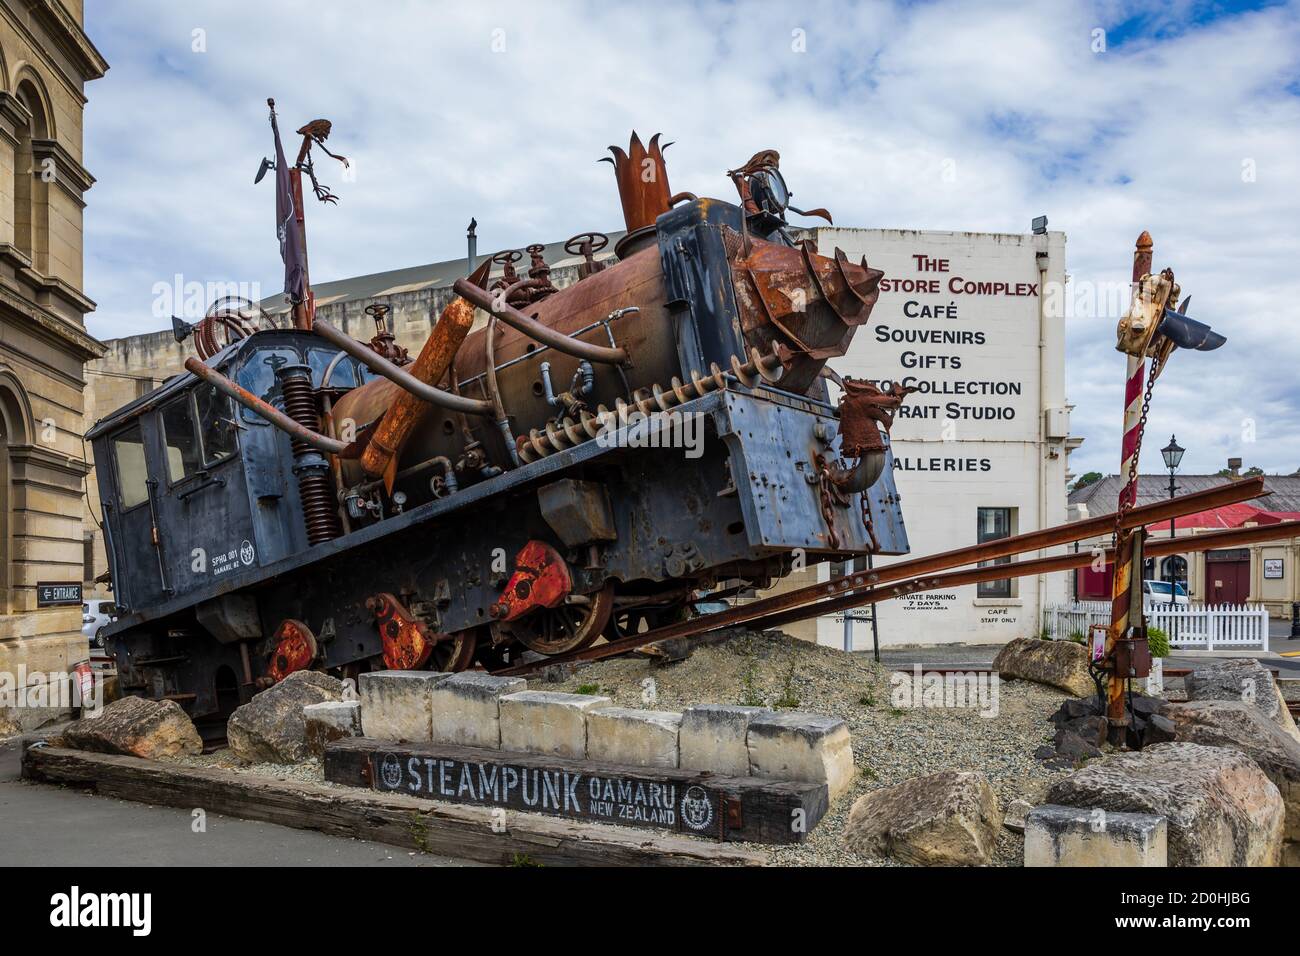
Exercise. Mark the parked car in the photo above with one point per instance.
(96, 614)
(1163, 592)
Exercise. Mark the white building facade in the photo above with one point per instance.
(981, 448)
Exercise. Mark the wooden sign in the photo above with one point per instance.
(58, 595)
(750, 809)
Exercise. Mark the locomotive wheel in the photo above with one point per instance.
(456, 653)
(638, 619)
(558, 630)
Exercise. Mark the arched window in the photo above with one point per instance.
(1174, 568)
(15, 416)
(31, 180)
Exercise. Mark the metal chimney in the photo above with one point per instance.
(472, 240)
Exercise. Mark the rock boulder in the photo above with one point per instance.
(133, 726)
(1242, 679)
(1062, 664)
(271, 728)
(946, 819)
(1221, 808)
(1244, 727)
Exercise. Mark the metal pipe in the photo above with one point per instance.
(272, 414)
(511, 316)
(1236, 537)
(1002, 547)
(403, 379)
(494, 391)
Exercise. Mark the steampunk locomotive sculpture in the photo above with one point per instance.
(589, 461)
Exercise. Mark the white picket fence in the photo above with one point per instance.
(1189, 626)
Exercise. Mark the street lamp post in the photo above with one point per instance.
(1173, 456)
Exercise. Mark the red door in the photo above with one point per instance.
(1227, 576)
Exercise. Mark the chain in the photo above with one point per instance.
(868, 522)
(830, 497)
(1132, 478)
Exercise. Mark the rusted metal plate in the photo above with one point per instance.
(407, 642)
(295, 650)
(541, 580)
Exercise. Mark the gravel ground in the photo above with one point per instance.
(890, 744)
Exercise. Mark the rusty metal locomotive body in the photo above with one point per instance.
(589, 462)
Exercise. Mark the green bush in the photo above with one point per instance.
(1158, 641)
(1077, 637)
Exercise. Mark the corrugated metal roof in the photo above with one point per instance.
(435, 275)
(1102, 496)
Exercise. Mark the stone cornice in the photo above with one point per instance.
(66, 168)
(48, 458)
(12, 109)
(64, 28)
(52, 326)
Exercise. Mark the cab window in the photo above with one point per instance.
(180, 440)
(258, 376)
(132, 475)
(216, 420)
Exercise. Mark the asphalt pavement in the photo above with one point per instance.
(43, 825)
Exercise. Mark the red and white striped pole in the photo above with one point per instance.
(1134, 389)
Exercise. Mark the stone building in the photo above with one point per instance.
(45, 62)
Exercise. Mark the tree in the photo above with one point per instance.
(1084, 480)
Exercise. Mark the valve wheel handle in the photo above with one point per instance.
(377, 309)
(598, 241)
(507, 256)
(535, 249)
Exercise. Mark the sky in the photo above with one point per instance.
(1108, 117)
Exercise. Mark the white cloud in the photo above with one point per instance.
(1150, 134)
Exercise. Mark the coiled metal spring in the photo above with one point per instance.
(567, 432)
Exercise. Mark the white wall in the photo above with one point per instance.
(957, 452)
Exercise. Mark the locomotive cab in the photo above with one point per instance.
(194, 487)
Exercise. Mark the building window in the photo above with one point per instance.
(183, 456)
(992, 524)
(88, 558)
(132, 474)
(216, 420)
(1174, 569)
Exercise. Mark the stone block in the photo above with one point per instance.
(789, 745)
(547, 722)
(330, 720)
(713, 737)
(1081, 836)
(398, 705)
(467, 708)
(1221, 808)
(634, 738)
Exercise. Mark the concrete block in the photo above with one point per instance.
(789, 745)
(467, 708)
(398, 705)
(1082, 836)
(547, 722)
(330, 720)
(635, 738)
(713, 738)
